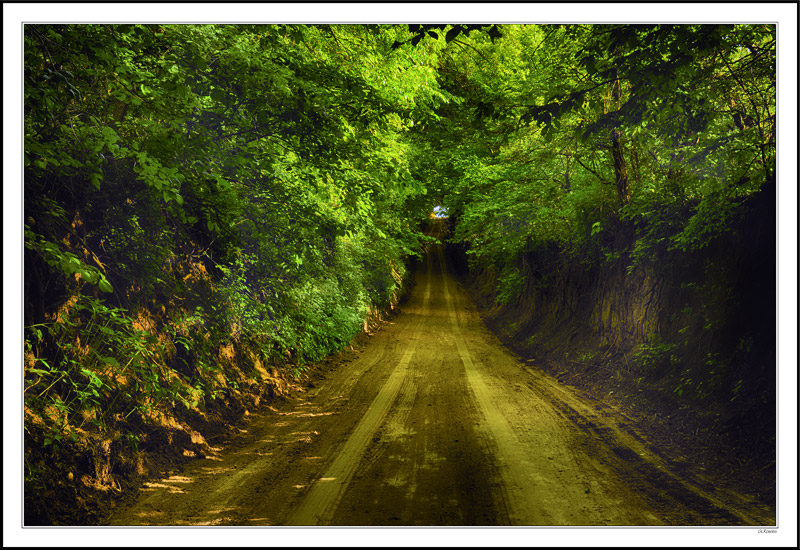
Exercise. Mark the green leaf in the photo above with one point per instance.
(89, 275)
(452, 33)
(104, 285)
(38, 371)
(217, 94)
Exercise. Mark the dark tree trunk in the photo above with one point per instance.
(620, 168)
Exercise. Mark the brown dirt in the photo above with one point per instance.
(697, 438)
(435, 422)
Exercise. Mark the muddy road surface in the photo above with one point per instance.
(435, 423)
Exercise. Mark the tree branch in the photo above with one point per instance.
(472, 47)
(598, 176)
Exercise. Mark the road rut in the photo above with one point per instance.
(436, 423)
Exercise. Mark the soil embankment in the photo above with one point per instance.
(686, 345)
(434, 422)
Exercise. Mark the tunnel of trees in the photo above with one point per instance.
(210, 209)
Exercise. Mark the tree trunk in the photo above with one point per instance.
(620, 169)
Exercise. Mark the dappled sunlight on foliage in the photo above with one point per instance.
(211, 209)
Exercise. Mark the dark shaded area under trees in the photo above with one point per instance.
(209, 209)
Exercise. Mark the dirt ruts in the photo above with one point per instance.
(435, 423)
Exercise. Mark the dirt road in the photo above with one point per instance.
(436, 423)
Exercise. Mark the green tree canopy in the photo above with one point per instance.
(264, 186)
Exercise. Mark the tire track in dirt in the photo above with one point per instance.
(513, 492)
(533, 488)
(427, 465)
(320, 503)
(605, 452)
(651, 470)
(262, 475)
(436, 423)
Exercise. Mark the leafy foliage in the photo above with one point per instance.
(235, 185)
(262, 186)
(617, 149)
(576, 132)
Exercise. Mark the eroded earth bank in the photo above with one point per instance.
(436, 423)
